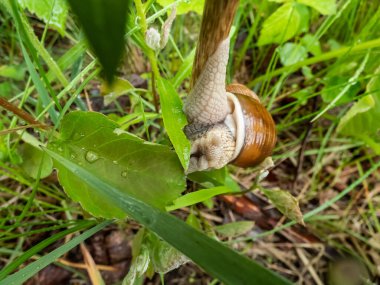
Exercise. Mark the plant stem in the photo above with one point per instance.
(150, 52)
(22, 114)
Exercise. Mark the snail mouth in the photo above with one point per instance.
(235, 122)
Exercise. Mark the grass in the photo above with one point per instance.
(334, 177)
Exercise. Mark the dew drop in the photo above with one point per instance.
(115, 162)
(124, 173)
(118, 131)
(91, 156)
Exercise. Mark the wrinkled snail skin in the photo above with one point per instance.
(207, 102)
(206, 108)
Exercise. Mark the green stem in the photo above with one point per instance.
(316, 59)
(149, 52)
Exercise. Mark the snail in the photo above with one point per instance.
(227, 124)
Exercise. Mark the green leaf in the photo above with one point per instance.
(215, 258)
(146, 171)
(52, 12)
(303, 95)
(209, 179)
(311, 43)
(164, 257)
(325, 7)
(139, 266)
(15, 72)
(234, 229)
(197, 197)
(334, 85)
(104, 23)
(34, 159)
(291, 53)
(193, 221)
(120, 86)
(6, 89)
(174, 120)
(363, 118)
(185, 6)
(285, 203)
(287, 21)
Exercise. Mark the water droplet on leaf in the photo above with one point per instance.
(124, 173)
(91, 156)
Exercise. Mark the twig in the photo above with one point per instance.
(22, 114)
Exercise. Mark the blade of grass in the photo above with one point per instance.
(34, 250)
(39, 86)
(324, 57)
(217, 259)
(197, 197)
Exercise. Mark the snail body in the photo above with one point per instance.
(226, 124)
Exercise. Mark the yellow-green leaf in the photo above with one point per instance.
(285, 203)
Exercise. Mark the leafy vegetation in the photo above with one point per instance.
(91, 97)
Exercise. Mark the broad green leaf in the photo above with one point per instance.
(12, 71)
(34, 159)
(197, 197)
(185, 6)
(215, 258)
(334, 85)
(104, 23)
(286, 22)
(363, 118)
(235, 228)
(325, 7)
(52, 12)
(174, 120)
(285, 203)
(291, 53)
(146, 171)
(312, 44)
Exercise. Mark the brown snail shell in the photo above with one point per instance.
(260, 130)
